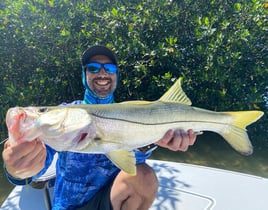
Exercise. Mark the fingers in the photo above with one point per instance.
(182, 140)
(178, 140)
(166, 138)
(192, 136)
(35, 154)
(25, 159)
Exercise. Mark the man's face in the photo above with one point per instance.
(101, 83)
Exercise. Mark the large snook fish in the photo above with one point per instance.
(116, 129)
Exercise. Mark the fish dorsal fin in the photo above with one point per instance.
(176, 94)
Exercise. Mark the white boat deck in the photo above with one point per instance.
(181, 186)
(192, 187)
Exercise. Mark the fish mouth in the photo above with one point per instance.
(14, 116)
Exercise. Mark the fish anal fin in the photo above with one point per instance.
(125, 160)
(176, 94)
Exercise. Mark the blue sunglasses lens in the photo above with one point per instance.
(96, 67)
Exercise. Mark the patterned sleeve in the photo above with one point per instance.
(49, 158)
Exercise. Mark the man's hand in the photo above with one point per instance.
(24, 160)
(177, 140)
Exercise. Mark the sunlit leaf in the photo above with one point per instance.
(237, 6)
(65, 32)
(51, 3)
(114, 12)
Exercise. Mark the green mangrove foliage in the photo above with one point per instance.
(220, 47)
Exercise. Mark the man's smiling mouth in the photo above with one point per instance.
(102, 82)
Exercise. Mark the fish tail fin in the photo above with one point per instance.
(125, 160)
(237, 135)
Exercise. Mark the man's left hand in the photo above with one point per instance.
(177, 140)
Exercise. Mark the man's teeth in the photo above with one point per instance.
(102, 82)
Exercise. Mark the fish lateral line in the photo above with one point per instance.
(160, 123)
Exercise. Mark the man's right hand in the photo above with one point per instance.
(25, 159)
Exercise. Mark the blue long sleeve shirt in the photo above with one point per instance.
(78, 176)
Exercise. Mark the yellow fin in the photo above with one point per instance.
(244, 118)
(237, 136)
(125, 160)
(176, 94)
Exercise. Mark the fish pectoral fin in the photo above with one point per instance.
(125, 160)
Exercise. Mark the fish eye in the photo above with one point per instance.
(42, 110)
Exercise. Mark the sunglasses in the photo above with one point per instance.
(95, 67)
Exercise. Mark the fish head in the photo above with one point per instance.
(59, 127)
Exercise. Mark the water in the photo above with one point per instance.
(209, 150)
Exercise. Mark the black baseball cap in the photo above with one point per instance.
(98, 50)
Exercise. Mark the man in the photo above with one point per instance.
(91, 181)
